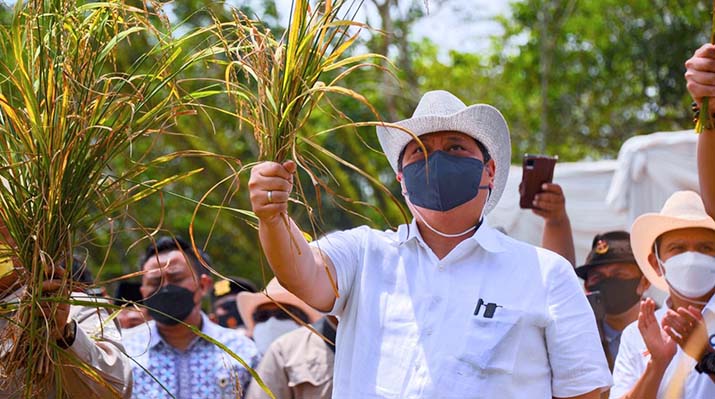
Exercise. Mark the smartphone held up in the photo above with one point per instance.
(536, 170)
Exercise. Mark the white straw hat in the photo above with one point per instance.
(248, 302)
(683, 210)
(441, 111)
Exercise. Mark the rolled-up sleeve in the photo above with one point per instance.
(97, 345)
(577, 360)
(345, 250)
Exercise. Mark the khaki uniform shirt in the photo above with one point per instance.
(97, 344)
(298, 365)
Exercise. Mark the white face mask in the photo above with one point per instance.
(691, 274)
(266, 332)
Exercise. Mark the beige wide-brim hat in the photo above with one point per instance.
(441, 111)
(683, 210)
(248, 302)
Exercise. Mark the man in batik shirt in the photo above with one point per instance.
(170, 359)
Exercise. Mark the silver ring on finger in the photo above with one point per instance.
(270, 196)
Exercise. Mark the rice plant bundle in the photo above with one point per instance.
(278, 82)
(67, 111)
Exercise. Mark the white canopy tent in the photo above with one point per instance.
(608, 195)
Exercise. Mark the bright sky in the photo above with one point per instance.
(459, 24)
(465, 25)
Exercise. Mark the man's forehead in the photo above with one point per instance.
(168, 262)
(446, 135)
(691, 234)
(610, 268)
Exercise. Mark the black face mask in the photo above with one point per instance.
(443, 181)
(618, 295)
(170, 304)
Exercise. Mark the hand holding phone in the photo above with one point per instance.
(536, 170)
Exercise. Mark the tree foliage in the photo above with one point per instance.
(573, 78)
(577, 78)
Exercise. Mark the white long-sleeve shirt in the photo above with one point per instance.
(97, 344)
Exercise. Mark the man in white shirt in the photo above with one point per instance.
(669, 353)
(84, 334)
(445, 307)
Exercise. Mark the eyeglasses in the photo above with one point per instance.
(262, 315)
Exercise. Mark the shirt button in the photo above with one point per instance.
(436, 300)
(428, 331)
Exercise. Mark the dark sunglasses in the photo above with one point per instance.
(262, 315)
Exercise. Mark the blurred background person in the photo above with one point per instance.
(82, 330)
(170, 359)
(82, 274)
(128, 296)
(615, 285)
(299, 364)
(224, 308)
(265, 320)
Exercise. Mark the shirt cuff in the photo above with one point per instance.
(82, 345)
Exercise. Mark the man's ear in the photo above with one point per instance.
(491, 167)
(398, 176)
(654, 263)
(206, 284)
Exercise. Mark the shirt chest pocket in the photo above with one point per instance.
(491, 344)
(310, 373)
(482, 366)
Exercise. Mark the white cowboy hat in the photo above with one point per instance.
(248, 302)
(441, 111)
(683, 210)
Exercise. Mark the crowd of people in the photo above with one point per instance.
(443, 307)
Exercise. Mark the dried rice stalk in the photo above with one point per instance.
(66, 112)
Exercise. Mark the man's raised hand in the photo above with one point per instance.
(270, 186)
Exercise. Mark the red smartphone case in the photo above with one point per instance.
(536, 170)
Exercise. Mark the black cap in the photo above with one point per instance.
(608, 248)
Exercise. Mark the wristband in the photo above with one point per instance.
(706, 364)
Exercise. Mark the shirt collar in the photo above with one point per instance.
(610, 332)
(485, 236)
(207, 327)
(488, 238)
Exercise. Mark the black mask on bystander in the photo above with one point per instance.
(170, 304)
(618, 295)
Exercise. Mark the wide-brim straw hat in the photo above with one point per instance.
(440, 111)
(683, 210)
(248, 302)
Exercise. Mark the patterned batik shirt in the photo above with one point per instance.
(203, 370)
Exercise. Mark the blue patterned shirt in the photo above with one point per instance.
(203, 370)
